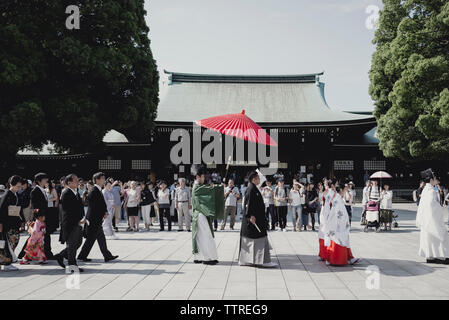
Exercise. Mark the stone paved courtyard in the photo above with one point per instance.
(159, 265)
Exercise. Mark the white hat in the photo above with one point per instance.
(2, 187)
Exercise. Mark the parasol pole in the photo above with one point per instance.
(225, 180)
(228, 165)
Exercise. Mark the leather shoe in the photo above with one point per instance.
(110, 258)
(60, 260)
(437, 261)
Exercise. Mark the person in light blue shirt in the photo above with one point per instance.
(117, 192)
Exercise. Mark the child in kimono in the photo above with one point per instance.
(34, 250)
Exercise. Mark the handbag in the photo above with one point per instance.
(14, 211)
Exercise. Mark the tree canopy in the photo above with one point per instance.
(410, 79)
(70, 87)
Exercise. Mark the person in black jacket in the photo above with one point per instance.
(71, 224)
(147, 201)
(254, 245)
(9, 225)
(96, 212)
(311, 202)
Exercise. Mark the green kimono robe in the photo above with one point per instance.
(210, 202)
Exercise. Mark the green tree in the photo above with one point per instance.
(410, 79)
(71, 86)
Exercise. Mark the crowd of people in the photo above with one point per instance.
(93, 209)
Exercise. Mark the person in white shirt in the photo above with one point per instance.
(107, 222)
(353, 193)
(365, 197)
(268, 199)
(163, 201)
(347, 197)
(386, 197)
(386, 206)
(183, 204)
(231, 194)
(281, 202)
(132, 200)
(374, 191)
(296, 201)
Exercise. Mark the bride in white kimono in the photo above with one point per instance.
(434, 239)
(328, 195)
(336, 231)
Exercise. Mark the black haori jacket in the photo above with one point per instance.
(253, 206)
(9, 199)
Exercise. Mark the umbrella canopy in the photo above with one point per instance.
(381, 175)
(238, 125)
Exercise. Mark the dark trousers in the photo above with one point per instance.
(349, 210)
(94, 233)
(271, 213)
(282, 216)
(164, 212)
(312, 217)
(51, 224)
(73, 241)
(215, 224)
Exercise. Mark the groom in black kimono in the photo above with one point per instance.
(96, 212)
(254, 245)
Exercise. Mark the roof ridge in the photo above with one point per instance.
(243, 78)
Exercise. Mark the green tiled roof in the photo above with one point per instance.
(274, 99)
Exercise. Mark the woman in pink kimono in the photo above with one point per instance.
(34, 250)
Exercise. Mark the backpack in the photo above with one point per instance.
(276, 193)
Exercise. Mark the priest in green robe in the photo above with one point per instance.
(207, 205)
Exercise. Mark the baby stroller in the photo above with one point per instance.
(372, 216)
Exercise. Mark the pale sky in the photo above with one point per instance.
(268, 37)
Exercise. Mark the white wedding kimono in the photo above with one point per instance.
(434, 238)
(324, 213)
(207, 249)
(337, 226)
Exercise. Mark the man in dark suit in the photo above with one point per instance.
(72, 221)
(39, 201)
(96, 212)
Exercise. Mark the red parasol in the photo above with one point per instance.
(238, 125)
